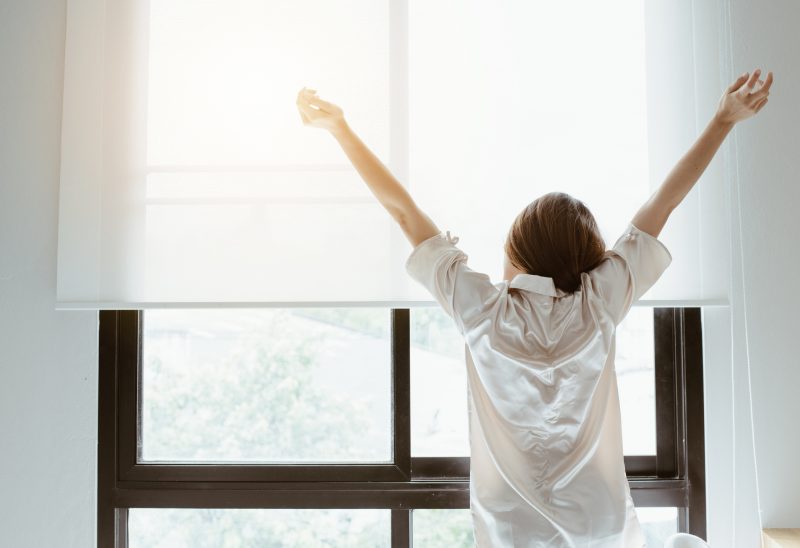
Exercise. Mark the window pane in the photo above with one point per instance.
(658, 524)
(479, 166)
(242, 251)
(439, 421)
(271, 385)
(289, 185)
(223, 77)
(213, 528)
(635, 365)
(435, 528)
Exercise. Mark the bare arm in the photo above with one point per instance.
(737, 103)
(416, 225)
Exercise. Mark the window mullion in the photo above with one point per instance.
(401, 389)
(666, 410)
(401, 528)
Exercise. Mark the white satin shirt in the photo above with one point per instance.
(547, 468)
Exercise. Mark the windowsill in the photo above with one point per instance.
(109, 305)
(689, 303)
(781, 538)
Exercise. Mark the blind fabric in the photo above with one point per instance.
(188, 178)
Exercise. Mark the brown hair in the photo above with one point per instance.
(556, 236)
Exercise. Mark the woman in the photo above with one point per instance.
(545, 435)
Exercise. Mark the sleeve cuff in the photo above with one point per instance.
(422, 246)
(432, 255)
(633, 229)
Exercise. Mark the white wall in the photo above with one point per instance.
(48, 359)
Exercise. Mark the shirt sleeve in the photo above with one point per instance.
(441, 267)
(633, 265)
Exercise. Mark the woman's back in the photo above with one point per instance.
(545, 433)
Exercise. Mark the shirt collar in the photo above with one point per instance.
(537, 284)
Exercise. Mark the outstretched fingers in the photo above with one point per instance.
(764, 91)
(303, 95)
(751, 83)
(738, 82)
(317, 102)
(306, 112)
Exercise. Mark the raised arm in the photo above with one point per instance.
(416, 225)
(740, 101)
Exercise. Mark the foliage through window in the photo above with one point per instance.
(326, 426)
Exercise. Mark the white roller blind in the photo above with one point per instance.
(188, 178)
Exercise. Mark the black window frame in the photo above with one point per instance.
(674, 477)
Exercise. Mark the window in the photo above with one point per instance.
(306, 434)
(185, 166)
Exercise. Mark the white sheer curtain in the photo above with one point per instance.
(188, 178)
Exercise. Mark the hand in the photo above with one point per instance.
(741, 100)
(326, 115)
